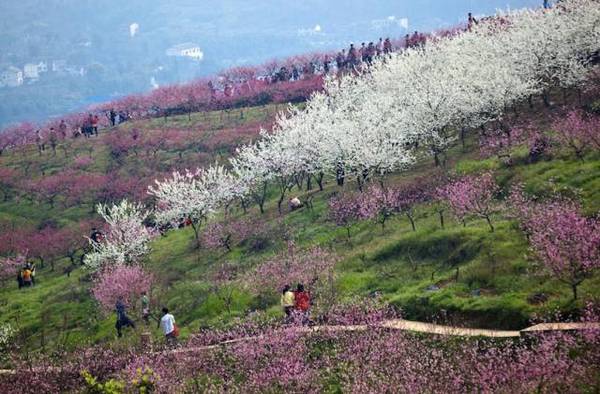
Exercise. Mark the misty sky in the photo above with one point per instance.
(97, 36)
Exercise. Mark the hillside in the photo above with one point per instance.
(498, 280)
(454, 181)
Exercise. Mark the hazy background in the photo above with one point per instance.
(98, 58)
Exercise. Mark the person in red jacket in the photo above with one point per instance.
(95, 121)
(302, 302)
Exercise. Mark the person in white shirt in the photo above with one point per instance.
(167, 324)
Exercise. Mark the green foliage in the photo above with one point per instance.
(111, 386)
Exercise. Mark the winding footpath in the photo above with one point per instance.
(395, 324)
(415, 326)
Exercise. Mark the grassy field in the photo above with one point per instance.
(462, 275)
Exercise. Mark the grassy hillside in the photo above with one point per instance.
(467, 275)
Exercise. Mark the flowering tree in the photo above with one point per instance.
(567, 243)
(8, 179)
(577, 133)
(312, 267)
(501, 142)
(226, 234)
(126, 281)
(193, 196)
(223, 283)
(126, 240)
(9, 266)
(409, 195)
(472, 195)
(379, 203)
(7, 334)
(345, 210)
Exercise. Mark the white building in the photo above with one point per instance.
(43, 67)
(11, 76)
(59, 65)
(31, 71)
(186, 50)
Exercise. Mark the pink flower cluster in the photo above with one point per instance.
(472, 195)
(291, 267)
(379, 204)
(9, 266)
(577, 132)
(274, 358)
(127, 281)
(566, 242)
(225, 235)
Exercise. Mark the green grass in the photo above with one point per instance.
(481, 278)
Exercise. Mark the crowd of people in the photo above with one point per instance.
(296, 304)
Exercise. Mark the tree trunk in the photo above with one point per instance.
(195, 227)
(441, 213)
(487, 218)
(320, 181)
(574, 289)
(546, 98)
(412, 221)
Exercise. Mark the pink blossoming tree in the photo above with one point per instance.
(567, 243)
(472, 195)
(345, 210)
(127, 281)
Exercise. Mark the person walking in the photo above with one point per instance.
(547, 5)
(39, 140)
(379, 47)
(387, 46)
(53, 139)
(26, 275)
(352, 58)
(169, 329)
(62, 129)
(95, 121)
(287, 301)
(122, 319)
(32, 269)
(145, 308)
(471, 21)
(302, 303)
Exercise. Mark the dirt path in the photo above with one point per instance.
(415, 326)
(403, 325)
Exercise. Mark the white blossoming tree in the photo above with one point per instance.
(126, 239)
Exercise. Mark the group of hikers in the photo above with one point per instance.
(89, 127)
(166, 322)
(296, 304)
(26, 275)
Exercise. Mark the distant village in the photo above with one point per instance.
(11, 76)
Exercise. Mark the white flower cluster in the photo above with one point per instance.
(7, 333)
(194, 195)
(126, 240)
(370, 124)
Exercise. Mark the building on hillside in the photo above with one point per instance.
(58, 66)
(31, 71)
(186, 50)
(11, 77)
(42, 67)
(75, 71)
